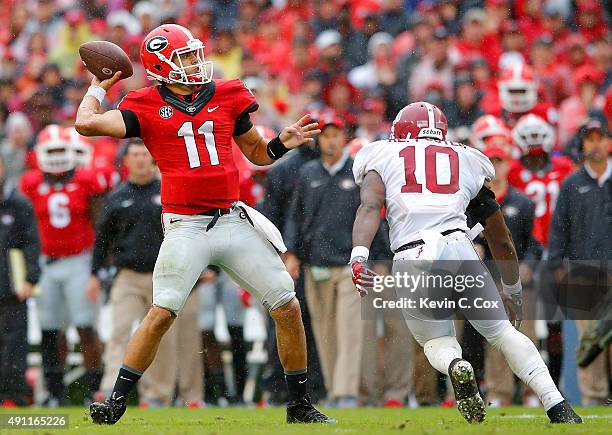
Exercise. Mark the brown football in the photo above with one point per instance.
(103, 59)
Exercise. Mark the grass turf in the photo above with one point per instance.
(241, 421)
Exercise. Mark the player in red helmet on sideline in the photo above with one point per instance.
(188, 122)
(518, 96)
(66, 201)
(537, 173)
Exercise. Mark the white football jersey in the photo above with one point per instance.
(428, 183)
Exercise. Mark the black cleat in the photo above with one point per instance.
(302, 411)
(470, 404)
(107, 412)
(563, 413)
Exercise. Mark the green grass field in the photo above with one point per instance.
(240, 421)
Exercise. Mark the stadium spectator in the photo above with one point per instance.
(575, 109)
(464, 109)
(380, 68)
(17, 233)
(436, 66)
(371, 124)
(581, 231)
(324, 203)
(14, 147)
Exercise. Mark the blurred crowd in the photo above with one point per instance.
(353, 64)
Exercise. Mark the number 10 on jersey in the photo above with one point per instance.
(188, 135)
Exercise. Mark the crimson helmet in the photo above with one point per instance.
(487, 128)
(81, 146)
(54, 153)
(419, 120)
(533, 135)
(518, 90)
(160, 55)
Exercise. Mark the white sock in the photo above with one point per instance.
(526, 363)
(441, 352)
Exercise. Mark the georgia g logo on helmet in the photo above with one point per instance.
(157, 43)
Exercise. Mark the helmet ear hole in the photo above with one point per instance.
(158, 67)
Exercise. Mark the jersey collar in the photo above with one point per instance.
(190, 108)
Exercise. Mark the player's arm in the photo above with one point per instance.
(263, 152)
(367, 223)
(484, 209)
(89, 120)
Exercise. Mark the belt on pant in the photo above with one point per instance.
(216, 213)
(420, 242)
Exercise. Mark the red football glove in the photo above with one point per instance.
(363, 277)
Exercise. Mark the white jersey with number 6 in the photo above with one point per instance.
(428, 183)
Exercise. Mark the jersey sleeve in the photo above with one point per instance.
(364, 162)
(482, 163)
(26, 184)
(243, 98)
(131, 107)
(93, 181)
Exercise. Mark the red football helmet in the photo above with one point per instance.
(488, 129)
(419, 120)
(160, 54)
(518, 89)
(533, 135)
(54, 153)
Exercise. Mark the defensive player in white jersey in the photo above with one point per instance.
(427, 183)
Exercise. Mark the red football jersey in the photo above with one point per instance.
(62, 210)
(191, 141)
(542, 187)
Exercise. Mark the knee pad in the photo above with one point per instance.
(441, 352)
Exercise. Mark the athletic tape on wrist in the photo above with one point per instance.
(97, 92)
(360, 251)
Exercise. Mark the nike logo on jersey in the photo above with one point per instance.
(123, 377)
(212, 109)
(301, 382)
(127, 203)
(172, 221)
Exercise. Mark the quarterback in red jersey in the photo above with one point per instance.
(65, 199)
(538, 174)
(188, 121)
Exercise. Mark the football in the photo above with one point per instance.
(103, 59)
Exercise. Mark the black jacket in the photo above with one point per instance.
(280, 185)
(18, 230)
(131, 227)
(581, 227)
(519, 213)
(320, 227)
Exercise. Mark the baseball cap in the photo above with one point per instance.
(327, 38)
(475, 14)
(595, 125)
(331, 120)
(495, 152)
(373, 105)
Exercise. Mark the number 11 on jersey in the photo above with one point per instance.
(206, 129)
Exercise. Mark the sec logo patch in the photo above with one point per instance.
(166, 112)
